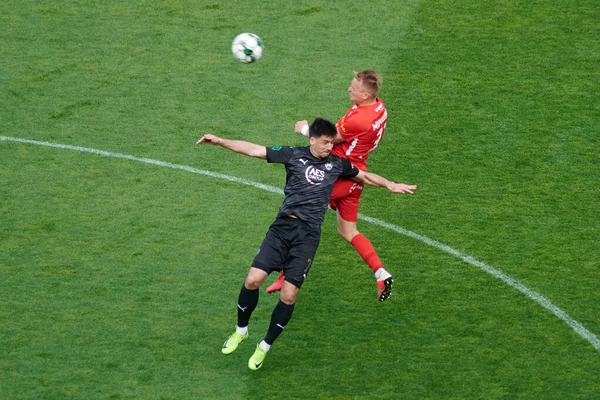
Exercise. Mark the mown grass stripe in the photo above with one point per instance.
(514, 283)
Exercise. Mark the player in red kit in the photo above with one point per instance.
(359, 133)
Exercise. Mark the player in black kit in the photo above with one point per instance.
(292, 240)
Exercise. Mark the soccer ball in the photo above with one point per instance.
(247, 47)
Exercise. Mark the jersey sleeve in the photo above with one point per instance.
(279, 154)
(351, 126)
(348, 169)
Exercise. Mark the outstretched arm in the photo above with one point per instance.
(238, 146)
(372, 179)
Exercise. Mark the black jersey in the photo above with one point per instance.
(309, 181)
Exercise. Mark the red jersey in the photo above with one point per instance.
(362, 128)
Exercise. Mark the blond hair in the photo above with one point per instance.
(371, 81)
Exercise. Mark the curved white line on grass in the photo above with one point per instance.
(148, 161)
(538, 298)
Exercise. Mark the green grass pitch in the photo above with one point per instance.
(119, 278)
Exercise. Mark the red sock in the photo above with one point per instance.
(366, 250)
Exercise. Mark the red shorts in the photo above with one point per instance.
(345, 198)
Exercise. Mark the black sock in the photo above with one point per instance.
(279, 319)
(246, 304)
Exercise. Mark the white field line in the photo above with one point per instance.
(538, 298)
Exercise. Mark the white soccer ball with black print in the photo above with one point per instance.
(247, 47)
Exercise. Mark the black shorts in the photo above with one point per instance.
(290, 245)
